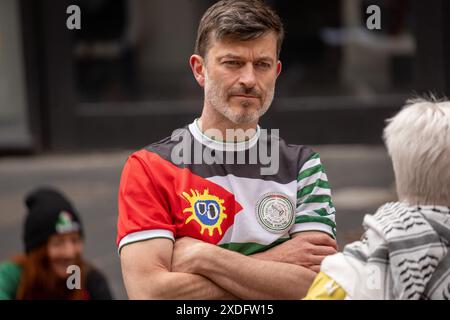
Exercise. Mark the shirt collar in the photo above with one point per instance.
(222, 145)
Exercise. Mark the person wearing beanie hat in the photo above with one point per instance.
(53, 243)
(49, 212)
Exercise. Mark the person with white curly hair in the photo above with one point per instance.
(404, 251)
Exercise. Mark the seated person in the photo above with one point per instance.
(53, 239)
(404, 251)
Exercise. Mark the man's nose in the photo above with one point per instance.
(248, 77)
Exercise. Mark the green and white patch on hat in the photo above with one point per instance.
(66, 223)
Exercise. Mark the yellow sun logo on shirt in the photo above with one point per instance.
(206, 209)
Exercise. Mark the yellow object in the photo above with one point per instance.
(325, 288)
(209, 202)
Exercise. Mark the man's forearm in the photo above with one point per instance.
(180, 286)
(272, 254)
(148, 274)
(250, 278)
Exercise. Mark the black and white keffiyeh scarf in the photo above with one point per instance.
(402, 255)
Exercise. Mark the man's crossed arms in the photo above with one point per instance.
(193, 269)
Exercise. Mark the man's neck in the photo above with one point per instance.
(210, 121)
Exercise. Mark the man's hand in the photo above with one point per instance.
(306, 249)
(185, 252)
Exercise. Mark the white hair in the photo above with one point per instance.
(418, 141)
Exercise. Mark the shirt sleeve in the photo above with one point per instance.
(315, 210)
(143, 209)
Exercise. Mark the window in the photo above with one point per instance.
(137, 50)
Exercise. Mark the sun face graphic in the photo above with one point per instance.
(206, 209)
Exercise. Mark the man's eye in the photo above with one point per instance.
(263, 65)
(232, 63)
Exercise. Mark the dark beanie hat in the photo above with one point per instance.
(49, 212)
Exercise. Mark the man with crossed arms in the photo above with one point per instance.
(223, 231)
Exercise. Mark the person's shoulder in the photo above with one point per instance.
(93, 274)
(303, 152)
(392, 210)
(395, 219)
(298, 153)
(170, 141)
(10, 273)
(10, 267)
(97, 284)
(273, 136)
(161, 148)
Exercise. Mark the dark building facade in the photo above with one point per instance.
(123, 79)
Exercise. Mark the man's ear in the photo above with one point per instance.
(279, 67)
(198, 68)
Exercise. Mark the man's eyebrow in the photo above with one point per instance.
(266, 58)
(233, 56)
(229, 56)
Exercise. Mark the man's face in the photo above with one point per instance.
(240, 77)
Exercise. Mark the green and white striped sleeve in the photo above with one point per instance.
(315, 210)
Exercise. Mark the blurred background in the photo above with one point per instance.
(75, 103)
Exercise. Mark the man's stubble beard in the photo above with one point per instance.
(218, 100)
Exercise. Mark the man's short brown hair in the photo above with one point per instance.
(239, 19)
